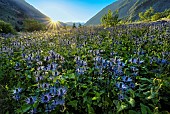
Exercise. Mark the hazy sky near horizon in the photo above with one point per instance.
(70, 10)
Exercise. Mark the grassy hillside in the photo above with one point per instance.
(129, 9)
(15, 11)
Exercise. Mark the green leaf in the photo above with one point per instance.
(145, 109)
(132, 102)
(73, 103)
(86, 91)
(132, 112)
(94, 98)
(90, 109)
(121, 106)
(35, 105)
(72, 76)
(145, 79)
(24, 109)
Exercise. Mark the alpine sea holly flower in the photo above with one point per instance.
(121, 64)
(47, 58)
(17, 90)
(56, 73)
(120, 96)
(17, 66)
(23, 55)
(45, 86)
(140, 61)
(132, 85)
(16, 97)
(39, 78)
(134, 69)
(133, 60)
(33, 111)
(121, 86)
(126, 79)
(45, 98)
(135, 73)
(80, 71)
(53, 91)
(61, 91)
(31, 100)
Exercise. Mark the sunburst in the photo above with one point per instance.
(51, 24)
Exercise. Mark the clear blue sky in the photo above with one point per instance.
(70, 10)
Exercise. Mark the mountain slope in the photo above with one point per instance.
(129, 9)
(15, 11)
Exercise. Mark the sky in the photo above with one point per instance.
(70, 10)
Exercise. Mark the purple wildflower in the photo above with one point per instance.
(45, 98)
(31, 100)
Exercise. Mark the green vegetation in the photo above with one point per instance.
(31, 25)
(146, 16)
(6, 27)
(149, 15)
(110, 19)
(124, 69)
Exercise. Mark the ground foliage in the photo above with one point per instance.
(124, 69)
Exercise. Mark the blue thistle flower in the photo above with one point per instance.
(121, 86)
(45, 98)
(33, 111)
(53, 91)
(31, 100)
(126, 79)
(45, 86)
(132, 85)
(120, 96)
(61, 91)
(17, 90)
(16, 97)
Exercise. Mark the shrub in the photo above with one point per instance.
(6, 27)
(109, 20)
(145, 16)
(31, 25)
(156, 16)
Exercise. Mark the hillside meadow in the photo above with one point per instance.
(118, 70)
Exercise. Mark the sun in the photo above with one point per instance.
(51, 24)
